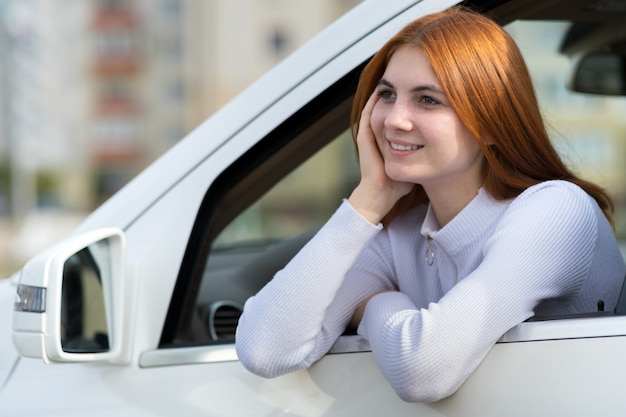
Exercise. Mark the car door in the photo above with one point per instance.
(552, 365)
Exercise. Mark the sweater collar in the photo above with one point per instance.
(479, 214)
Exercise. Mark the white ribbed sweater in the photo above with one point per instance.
(497, 263)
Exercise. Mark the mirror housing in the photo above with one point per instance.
(598, 54)
(70, 301)
(599, 72)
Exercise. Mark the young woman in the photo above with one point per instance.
(465, 222)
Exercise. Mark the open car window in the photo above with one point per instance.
(266, 235)
(258, 214)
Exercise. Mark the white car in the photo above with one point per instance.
(134, 314)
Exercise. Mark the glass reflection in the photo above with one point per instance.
(83, 314)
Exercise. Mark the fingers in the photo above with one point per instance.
(370, 157)
(369, 105)
(366, 114)
(366, 140)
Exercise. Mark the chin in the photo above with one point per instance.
(401, 175)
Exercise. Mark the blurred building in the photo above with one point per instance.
(93, 91)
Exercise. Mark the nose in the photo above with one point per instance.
(398, 117)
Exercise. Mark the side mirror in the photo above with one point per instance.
(70, 301)
(601, 72)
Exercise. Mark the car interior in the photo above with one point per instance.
(218, 274)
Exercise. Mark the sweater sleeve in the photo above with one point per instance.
(294, 320)
(541, 249)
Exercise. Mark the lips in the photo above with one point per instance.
(400, 147)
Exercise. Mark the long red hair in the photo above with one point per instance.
(483, 74)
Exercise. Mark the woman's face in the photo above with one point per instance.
(420, 136)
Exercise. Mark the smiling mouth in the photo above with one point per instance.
(399, 147)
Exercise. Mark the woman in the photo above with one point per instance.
(465, 222)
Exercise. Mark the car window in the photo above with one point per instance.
(258, 213)
(299, 203)
(263, 238)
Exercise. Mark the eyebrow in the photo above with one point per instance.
(417, 89)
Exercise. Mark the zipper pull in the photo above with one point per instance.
(430, 254)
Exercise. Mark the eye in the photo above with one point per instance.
(429, 101)
(385, 94)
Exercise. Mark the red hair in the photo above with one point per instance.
(484, 76)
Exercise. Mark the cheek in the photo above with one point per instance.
(471, 150)
(470, 144)
(466, 142)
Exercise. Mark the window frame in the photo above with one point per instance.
(256, 171)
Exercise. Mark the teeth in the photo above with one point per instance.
(405, 147)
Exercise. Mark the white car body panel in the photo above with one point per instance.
(8, 354)
(157, 212)
(339, 385)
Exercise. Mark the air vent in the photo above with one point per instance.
(222, 320)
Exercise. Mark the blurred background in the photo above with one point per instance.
(92, 91)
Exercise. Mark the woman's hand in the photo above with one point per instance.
(376, 193)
